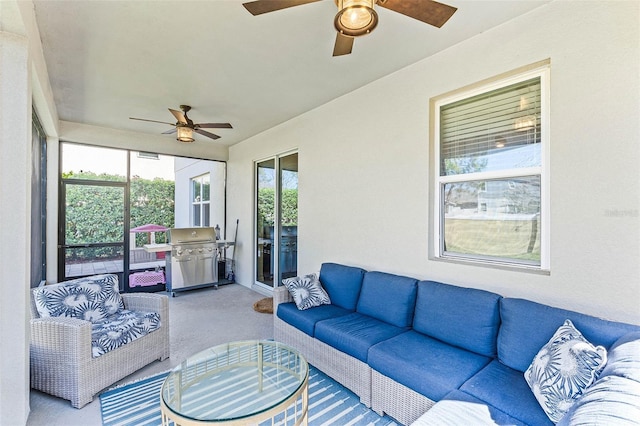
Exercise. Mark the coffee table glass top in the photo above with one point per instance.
(234, 380)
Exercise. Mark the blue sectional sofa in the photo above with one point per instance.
(431, 353)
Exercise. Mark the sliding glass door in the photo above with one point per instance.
(265, 221)
(276, 220)
(288, 242)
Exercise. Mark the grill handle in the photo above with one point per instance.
(208, 240)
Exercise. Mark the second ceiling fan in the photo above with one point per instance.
(185, 127)
(357, 17)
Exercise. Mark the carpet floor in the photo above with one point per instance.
(138, 404)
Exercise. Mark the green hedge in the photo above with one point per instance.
(94, 214)
(289, 206)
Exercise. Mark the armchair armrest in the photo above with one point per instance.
(147, 302)
(281, 295)
(60, 340)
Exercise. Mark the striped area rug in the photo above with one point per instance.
(330, 404)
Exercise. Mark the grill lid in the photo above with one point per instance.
(191, 235)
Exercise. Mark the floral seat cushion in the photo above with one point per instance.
(121, 328)
(91, 298)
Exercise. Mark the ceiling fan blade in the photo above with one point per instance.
(168, 132)
(213, 126)
(428, 11)
(179, 115)
(152, 121)
(264, 6)
(343, 45)
(207, 134)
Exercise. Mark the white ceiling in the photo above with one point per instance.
(111, 60)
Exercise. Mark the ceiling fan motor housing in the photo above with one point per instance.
(355, 17)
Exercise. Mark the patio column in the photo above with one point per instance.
(15, 214)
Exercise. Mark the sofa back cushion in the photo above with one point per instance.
(527, 326)
(90, 298)
(464, 317)
(342, 283)
(389, 298)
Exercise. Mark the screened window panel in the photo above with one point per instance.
(492, 131)
(497, 218)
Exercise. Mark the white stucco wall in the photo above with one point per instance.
(24, 83)
(15, 226)
(364, 175)
(185, 170)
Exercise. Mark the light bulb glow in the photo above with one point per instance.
(184, 134)
(355, 17)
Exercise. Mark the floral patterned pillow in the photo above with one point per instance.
(566, 366)
(307, 291)
(91, 298)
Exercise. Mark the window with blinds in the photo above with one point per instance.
(490, 194)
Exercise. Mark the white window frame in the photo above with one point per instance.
(436, 251)
(201, 203)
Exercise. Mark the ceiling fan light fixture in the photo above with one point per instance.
(184, 134)
(355, 17)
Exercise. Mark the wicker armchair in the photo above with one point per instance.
(61, 353)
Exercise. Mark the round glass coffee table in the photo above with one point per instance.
(238, 383)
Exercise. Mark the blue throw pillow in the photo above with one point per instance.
(566, 366)
(306, 291)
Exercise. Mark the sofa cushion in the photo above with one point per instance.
(307, 292)
(354, 333)
(387, 297)
(342, 283)
(506, 389)
(612, 400)
(459, 408)
(426, 365)
(121, 328)
(527, 326)
(623, 358)
(90, 298)
(464, 317)
(563, 369)
(306, 320)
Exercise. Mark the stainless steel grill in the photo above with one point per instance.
(193, 259)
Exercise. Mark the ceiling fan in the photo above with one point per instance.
(185, 127)
(357, 17)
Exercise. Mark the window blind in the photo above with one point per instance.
(503, 118)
